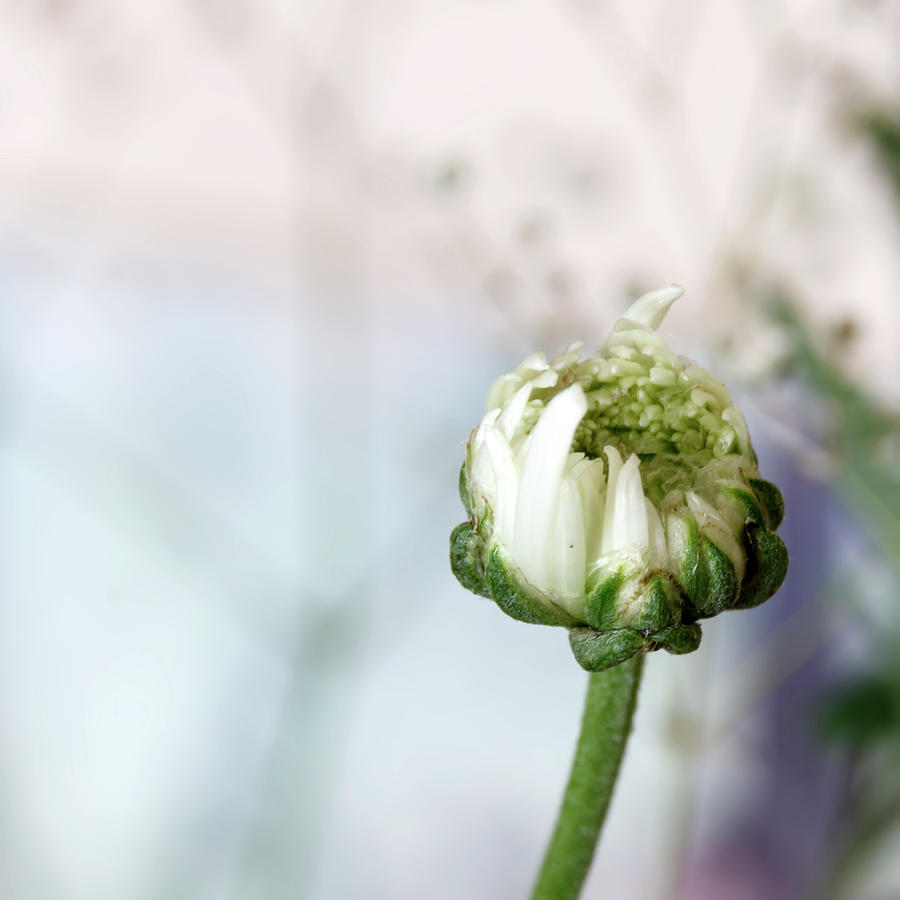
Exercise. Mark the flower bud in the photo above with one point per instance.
(618, 496)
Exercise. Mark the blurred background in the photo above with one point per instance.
(259, 263)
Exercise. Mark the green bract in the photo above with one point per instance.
(617, 496)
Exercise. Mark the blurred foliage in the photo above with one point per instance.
(863, 439)
(864, 709)
(861, 713)
(881, 129)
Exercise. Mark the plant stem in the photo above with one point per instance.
(608, 710)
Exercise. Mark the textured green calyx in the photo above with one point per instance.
(618, 496)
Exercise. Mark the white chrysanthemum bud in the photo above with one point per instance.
(617, 495)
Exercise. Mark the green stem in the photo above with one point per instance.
(608, 710)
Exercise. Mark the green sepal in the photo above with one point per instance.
(601, 609)
(517, 599)
(771, 501)
(717, 586)
(465, 559)
(679, 639)
(768, 566)
(690, 561)
(464, 490)
(659, 608)
(598, 650)
(752, 507)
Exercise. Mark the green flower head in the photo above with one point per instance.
(618, 496)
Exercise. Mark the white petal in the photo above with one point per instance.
(677, 539)
(542, 471)
(501, 390)
(576, 463)
(615, 466)
(536, 362)
(566, 549)
(481, 473)
(704, 512)
(656, 533)
(506, 482)
(520, 444)
(651, 309)
(630, 527)
(512, 415)
(489, 418)
(589, 478)
(735, 418)
(713, 524)
(569, 358)
(546, 379)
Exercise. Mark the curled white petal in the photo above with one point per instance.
(735, 418)
(704, 512)
(714, 525)
(501, 390)
(651, 308)
(545, 379)
(536, 362)
(511, 416)
(542, 472)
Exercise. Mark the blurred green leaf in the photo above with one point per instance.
(861, 429)
(861, 711)
(882, 129)
(866, 421)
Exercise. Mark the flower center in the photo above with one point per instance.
(675, 430)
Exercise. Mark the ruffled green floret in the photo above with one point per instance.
(617, 496)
